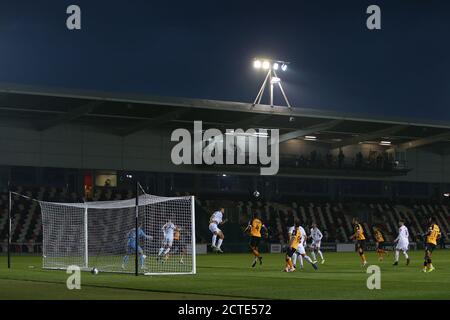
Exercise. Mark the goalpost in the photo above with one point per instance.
(101, 234)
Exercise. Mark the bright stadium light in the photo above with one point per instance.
(271, 79)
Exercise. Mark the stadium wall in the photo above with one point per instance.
(72, 146)
(86, 147)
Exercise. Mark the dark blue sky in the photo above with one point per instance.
(204, 49)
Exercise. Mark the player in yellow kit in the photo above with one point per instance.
(432, 237)
(254, 228)
(177, 244)
(294, 241)
(296, 244)
(379, 239)
(360, 238)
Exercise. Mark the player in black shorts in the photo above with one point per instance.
(431, 239)
(379, 239)
(254, 228)
(177, 245)
(254, 241)
(360, 238)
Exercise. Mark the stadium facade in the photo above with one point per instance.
(89, 143)
(105, 131)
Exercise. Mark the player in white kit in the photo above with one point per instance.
(402, 242)
(301, 252)
(316, 237)
(168, 230)
(214, 222)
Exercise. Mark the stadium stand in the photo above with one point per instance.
(334, 218)
(375, 161)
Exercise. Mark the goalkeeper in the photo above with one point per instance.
(131, 245)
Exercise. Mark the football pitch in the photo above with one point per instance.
(229, 276)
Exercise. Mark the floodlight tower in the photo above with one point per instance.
(271, 66)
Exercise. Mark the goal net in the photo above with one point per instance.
(102, 235)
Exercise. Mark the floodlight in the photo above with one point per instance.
(275, 80)
(271, 67)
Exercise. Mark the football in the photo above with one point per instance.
(256, 193)
(94, 271)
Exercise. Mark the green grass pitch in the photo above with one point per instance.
(229, 276)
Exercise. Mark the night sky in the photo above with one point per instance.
(204, 49)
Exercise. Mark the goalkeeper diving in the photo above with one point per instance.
(131, 245)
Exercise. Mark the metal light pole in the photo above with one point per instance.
(271, 66)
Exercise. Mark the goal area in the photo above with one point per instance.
(102, 235)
